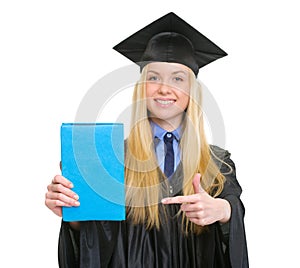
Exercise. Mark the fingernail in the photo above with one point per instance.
(76, 197)
(76, 203)
(71, 185)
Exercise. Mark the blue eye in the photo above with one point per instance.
(153, 78)
(178, 79)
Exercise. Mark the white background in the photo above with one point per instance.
(52, 52)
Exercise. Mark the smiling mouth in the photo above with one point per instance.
(164, 102)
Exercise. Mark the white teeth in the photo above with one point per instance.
(165, 102)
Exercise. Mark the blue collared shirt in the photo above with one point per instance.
(158, 135)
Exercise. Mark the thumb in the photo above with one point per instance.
(196, 184)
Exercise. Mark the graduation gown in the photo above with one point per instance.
(123, 244)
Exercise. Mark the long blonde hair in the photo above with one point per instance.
(144, 182)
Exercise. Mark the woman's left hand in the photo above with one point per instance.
(201, 208)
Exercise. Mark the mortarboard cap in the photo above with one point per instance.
(170, 39)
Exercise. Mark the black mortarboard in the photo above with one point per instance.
(170, 39)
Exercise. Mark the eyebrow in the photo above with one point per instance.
(176, 72)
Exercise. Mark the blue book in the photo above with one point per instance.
(92, 156)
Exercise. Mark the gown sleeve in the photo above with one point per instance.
(96, 245)
(68, 247)
(235, 243)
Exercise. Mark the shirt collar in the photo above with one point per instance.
(159, 132)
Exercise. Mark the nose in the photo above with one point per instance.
(164, 88)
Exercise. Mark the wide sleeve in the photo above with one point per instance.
(233, 231)
(68, 247)
(97, 244)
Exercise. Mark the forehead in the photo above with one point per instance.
(167, 68)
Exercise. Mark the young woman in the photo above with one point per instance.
(183, 213)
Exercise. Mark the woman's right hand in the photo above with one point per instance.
(59, 194)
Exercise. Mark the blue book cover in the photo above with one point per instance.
(92, 156)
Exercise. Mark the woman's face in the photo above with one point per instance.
(167, 92)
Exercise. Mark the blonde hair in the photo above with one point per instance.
(144, 182)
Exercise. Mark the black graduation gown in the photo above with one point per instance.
(123, 244)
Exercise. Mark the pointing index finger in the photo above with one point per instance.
(180, 199)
